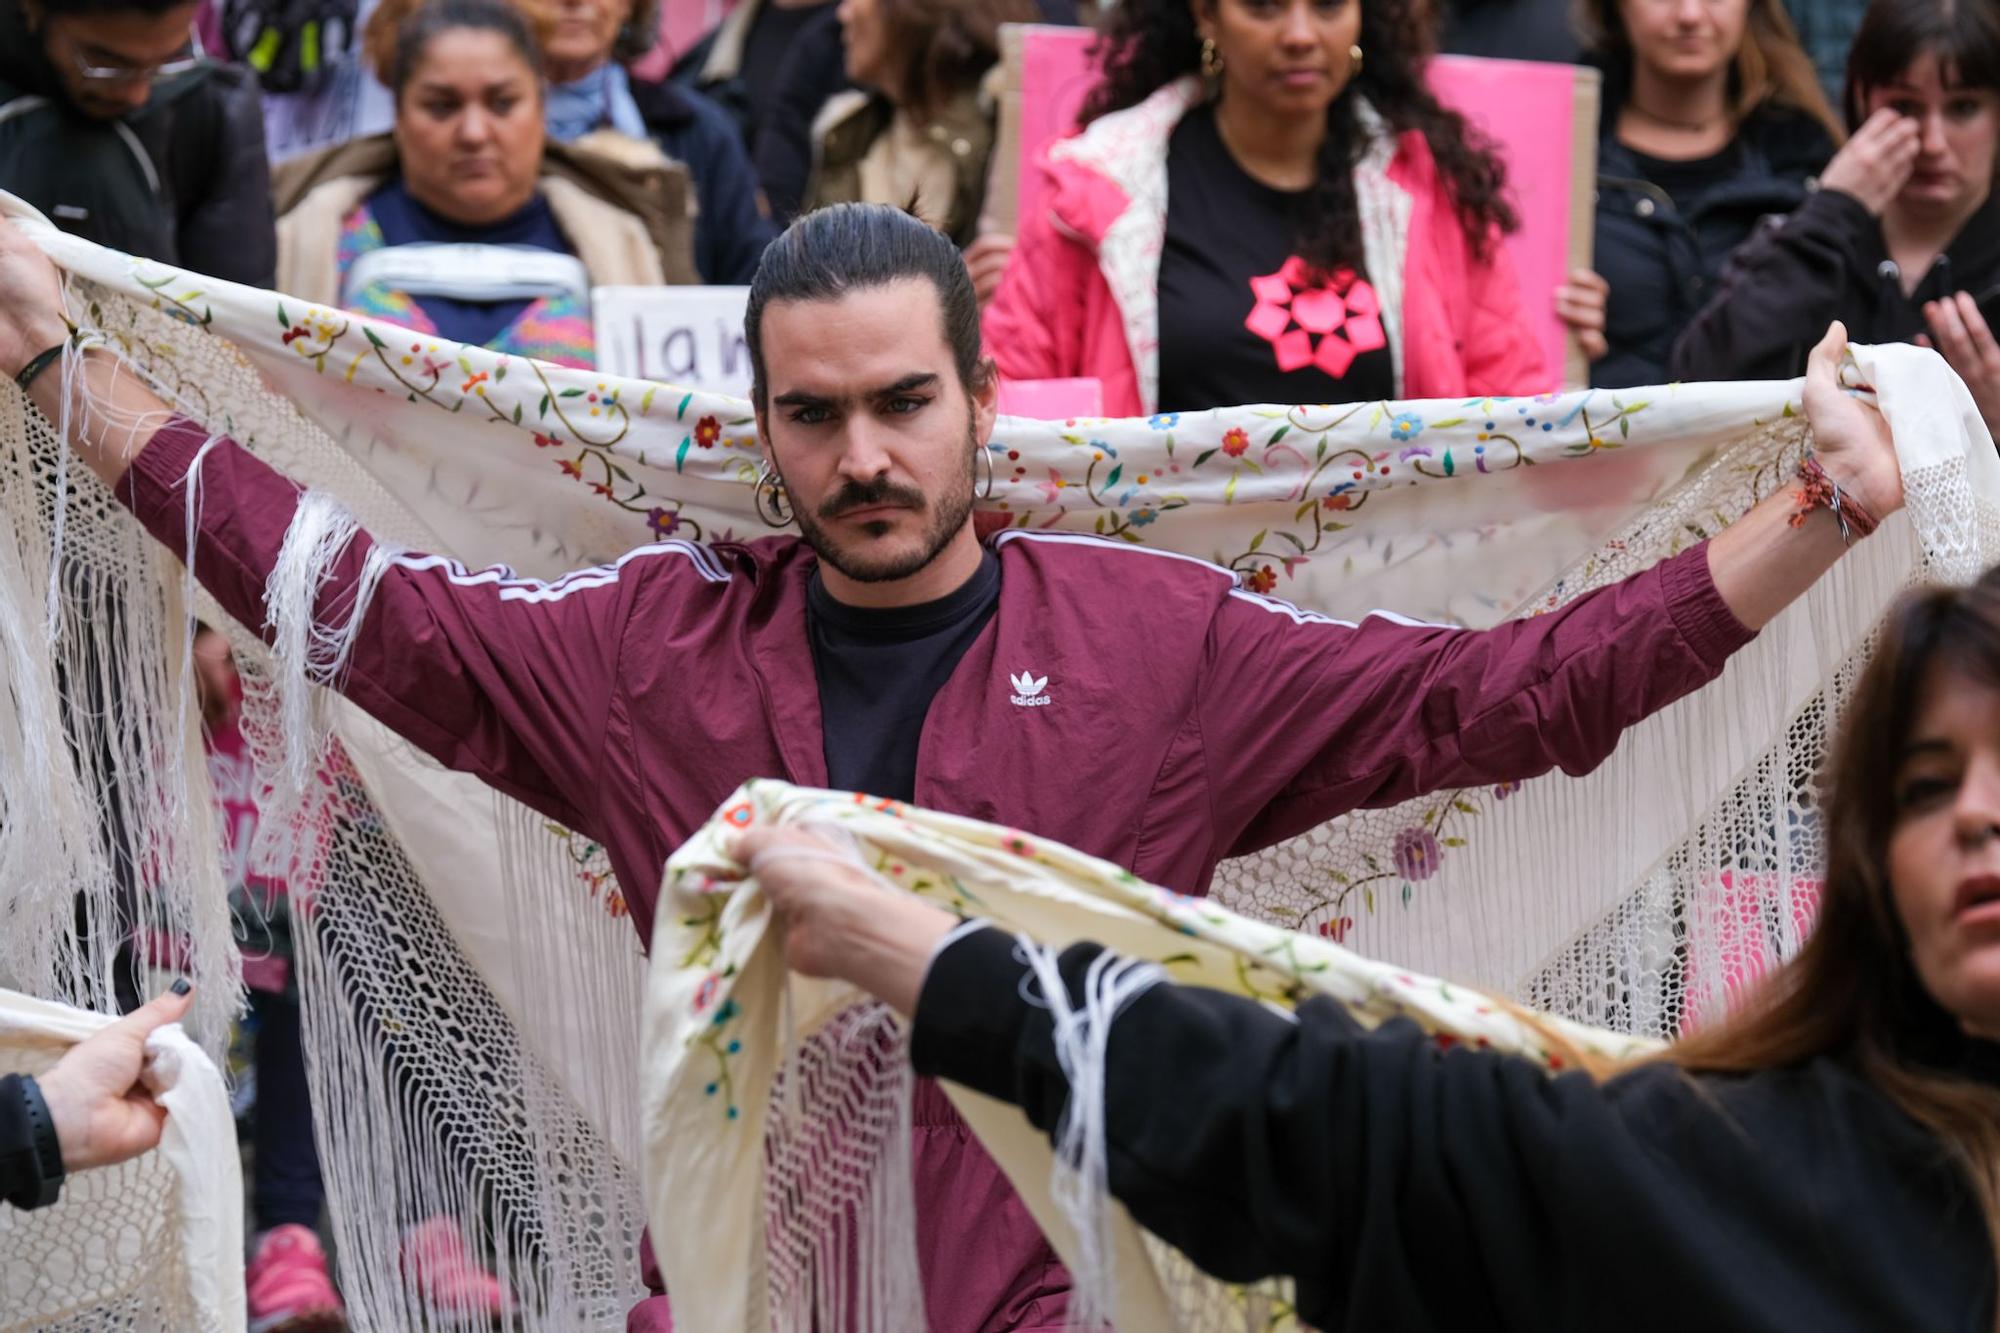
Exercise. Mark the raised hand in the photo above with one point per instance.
(1874, 165)
(30, 301)
(102, 1112)
(1850, 436)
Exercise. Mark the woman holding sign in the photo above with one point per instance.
(1267, 204)
(1713, 120)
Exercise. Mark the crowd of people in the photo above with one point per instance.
(472, 169)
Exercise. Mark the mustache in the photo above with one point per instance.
(859, 495)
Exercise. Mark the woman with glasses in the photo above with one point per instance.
(114, 125)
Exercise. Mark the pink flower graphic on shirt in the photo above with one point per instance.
(1326, 325)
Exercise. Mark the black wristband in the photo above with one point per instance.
(48, 1148)
(41, 362)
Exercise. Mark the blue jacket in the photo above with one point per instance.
(1662, 264)
(733, 226)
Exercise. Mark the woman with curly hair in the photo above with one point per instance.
(1267, 204)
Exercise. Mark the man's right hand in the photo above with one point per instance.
(1876, 163)
(30, 301)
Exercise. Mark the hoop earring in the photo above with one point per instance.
(985, 452)
(774, 507)
(1211, 59)
(1354, 60)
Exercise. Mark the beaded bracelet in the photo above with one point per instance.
(1823, 492)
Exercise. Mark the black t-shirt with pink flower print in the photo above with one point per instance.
(1241, 320)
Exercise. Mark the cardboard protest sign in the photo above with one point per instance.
(690, 336)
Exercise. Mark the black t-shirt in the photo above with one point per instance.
(1688, 180)
(1241, 320)
(878, 670)
(764, 50)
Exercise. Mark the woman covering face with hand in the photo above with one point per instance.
(1902, 240)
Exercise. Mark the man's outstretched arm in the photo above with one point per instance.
(499, 677)
(1350, 716)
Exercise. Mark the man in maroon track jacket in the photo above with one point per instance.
(1138, 705)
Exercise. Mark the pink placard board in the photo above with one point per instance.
(1542, 116)
(1051, 400)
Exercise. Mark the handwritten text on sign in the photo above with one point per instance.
(690, 336)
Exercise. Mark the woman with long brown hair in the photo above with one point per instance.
(919, 128)
(1827, 1158)
(1712, 120)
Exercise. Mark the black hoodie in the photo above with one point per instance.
(182, 180)
(1824, 261)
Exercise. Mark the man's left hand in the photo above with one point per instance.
(1850, 437)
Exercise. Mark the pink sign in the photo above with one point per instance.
(1527, 108)
(1051, 400)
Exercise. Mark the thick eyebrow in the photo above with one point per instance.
(921, 379)
(511, 83)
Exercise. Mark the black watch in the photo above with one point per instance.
(48, 1149)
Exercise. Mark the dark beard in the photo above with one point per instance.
(948, 515)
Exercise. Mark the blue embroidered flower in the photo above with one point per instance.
(1143, 515)
(1405, 426)
(1164, 420)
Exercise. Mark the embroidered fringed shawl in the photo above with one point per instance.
(467, 974)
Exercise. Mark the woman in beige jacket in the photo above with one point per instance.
(464, 223)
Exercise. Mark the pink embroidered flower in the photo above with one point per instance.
(707, 431)
(1053, 486)
(1018, 845)
(1417, 853)
(1234, 441)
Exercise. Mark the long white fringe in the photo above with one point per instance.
(1079, 1180)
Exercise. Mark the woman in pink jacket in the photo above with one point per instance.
(1266, 204)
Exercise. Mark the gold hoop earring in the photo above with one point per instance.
(1211, 59)
(985, 452)
(774, 507)
(1354, 54)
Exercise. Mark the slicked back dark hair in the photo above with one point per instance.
(851, 247)
(1964, 35)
